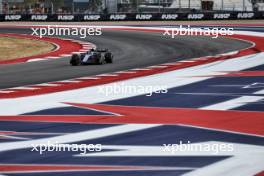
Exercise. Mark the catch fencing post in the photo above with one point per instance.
(179, 4)
(1, 6)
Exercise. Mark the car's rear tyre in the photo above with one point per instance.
(109, 57)
(75, 60)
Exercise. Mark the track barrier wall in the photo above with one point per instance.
(134, 16)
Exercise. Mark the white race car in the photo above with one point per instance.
(94, 56)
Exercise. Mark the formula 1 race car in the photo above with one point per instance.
(94, 56)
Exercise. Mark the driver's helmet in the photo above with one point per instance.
(90, 51)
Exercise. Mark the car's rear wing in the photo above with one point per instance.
(102, 50)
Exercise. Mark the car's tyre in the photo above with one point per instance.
(75, 60)
(109, 57)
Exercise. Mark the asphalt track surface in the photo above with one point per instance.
(131, 50)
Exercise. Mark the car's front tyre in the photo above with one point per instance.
(75, 60)
(109, 57)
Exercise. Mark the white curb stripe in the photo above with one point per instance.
(94, 78)
(186, 61)
(126, 72)
(6, 91)
(173, 63)
(140, 69)
(106, 75)
(68, 81)
(47, 85)
(23, 88)
(37, 59)
(158, 66)
(65, 55)
(51, 57)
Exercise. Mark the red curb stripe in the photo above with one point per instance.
(260, 174)
(24, 168)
